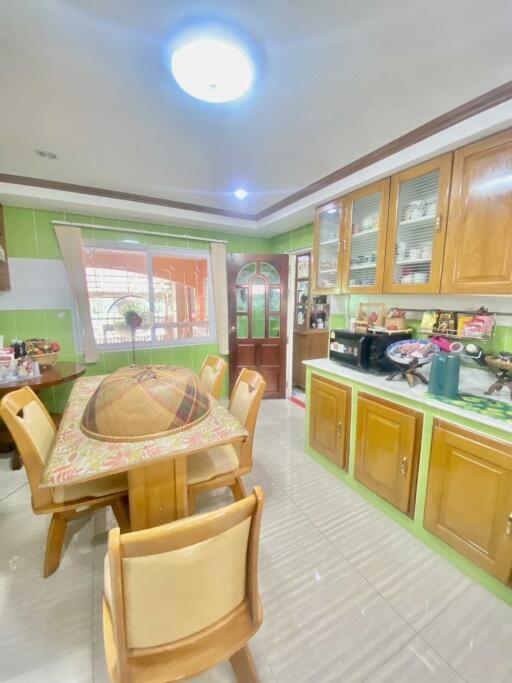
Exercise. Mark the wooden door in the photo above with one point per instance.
(387, 451)
(478, 253)
(364, 244)
(257, 287)
(469, 496)
(327, 249)
(418, 207)
(329, 419)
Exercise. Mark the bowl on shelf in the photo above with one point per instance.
(44, 351)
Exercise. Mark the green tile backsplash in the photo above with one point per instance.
(30, 234)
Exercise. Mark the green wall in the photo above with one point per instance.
(30, 234)
(301, 238)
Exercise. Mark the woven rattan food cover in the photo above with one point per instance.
(139, 403)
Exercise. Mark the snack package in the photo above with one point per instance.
(479, 326)
(429, 322)
(447, 323)
(462, 321)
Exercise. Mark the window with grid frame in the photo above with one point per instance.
(160, 295)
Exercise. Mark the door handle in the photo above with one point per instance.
(509, 525)
(232, 328)
(403, 466)
(339, 429)
(439, 223)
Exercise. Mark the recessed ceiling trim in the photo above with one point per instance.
(465, 111)
(117, 194)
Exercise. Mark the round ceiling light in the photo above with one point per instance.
(240, 193)
(212, 70)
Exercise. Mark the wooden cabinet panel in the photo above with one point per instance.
(418, 207)
(326, 249)
(329, 419)
(307, 345)
(364, 238)
(387, 451)
(469, 496)
(478, 253)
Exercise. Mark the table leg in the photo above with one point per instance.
(158, 493)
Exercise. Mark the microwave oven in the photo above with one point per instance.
(363, 351)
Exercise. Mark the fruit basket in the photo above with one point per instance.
(44, 351)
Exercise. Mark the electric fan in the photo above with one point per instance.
(129, 315)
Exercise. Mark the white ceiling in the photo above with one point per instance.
(88, 80)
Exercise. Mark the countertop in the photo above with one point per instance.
(472, 381)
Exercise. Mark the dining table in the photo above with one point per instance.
(50, 376)
(156, 469)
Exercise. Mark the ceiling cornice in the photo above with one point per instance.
(118, 194)
(465, 111)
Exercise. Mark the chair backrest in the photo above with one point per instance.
(244, 404)
(33, 432)
(212, 374)
(174, 587)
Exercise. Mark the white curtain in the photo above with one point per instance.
(70, 243)
(220, 294)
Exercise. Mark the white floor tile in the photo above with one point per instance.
(345, 590)
(474, 634)
(416, 663)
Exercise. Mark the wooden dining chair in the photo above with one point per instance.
(225, 465)
(212, 374)
(33, 432)
(182, 597)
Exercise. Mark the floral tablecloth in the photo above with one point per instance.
(76, 457)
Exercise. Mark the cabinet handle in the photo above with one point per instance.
(403, 466)
(439, 223)
(509, 525)
(339, 429)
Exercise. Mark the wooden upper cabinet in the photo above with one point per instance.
(478, 253)
(387, 450)
(364, 238)
(327, 249)
(329, 419)
(418, 208)
(469, 496)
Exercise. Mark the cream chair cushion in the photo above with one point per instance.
(173, 595)
(242, 401)
(40, 427)
(94, 489)
(208, 377)
(205, 465)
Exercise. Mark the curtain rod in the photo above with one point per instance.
(138, 232)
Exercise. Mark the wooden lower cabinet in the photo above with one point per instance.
(469, 496)
(387, 450)
(329, 419)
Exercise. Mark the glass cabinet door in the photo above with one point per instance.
(302, 293)
(327, 273)
(417, 227)
(365, 230)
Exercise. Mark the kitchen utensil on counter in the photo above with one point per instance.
(503, 369)
(448, 344)
(408, 356)
(476, 353)
(444, 375)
